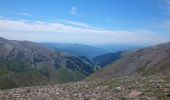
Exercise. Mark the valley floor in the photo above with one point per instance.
(127, 88)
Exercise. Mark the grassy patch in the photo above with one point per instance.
(66, 75)
(3, 71)
(6, 82)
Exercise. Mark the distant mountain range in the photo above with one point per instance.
(90, 51)
(77, 49)
(147, 61)
(120, 47)
(24, 63)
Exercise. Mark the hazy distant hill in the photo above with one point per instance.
(24, 63)
(146, 61)
(120, 47)
(78, 49)
(105, 59)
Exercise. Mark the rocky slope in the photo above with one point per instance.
(24, 63)
(146, 61)
(127, 88)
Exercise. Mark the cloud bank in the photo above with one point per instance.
(75, 32)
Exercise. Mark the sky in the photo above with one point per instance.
(86, 21)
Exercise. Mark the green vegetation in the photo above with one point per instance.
(66, 75)
(17, 65)
(6, 82)
(3, 71)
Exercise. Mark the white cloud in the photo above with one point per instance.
(78, 24)
(73, 11)
(165, 24)
(61, 32)
(167, 5)
(23, 13)
(75, 23)
(168, 2)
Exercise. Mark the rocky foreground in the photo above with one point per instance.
(127, 88)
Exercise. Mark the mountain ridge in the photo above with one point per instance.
(24, 63)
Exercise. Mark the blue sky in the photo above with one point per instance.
(86, 21)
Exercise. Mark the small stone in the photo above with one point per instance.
(166, 90)
(135, 93)
(129, 87)
(118, 88)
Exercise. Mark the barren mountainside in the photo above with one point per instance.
(146, 61)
